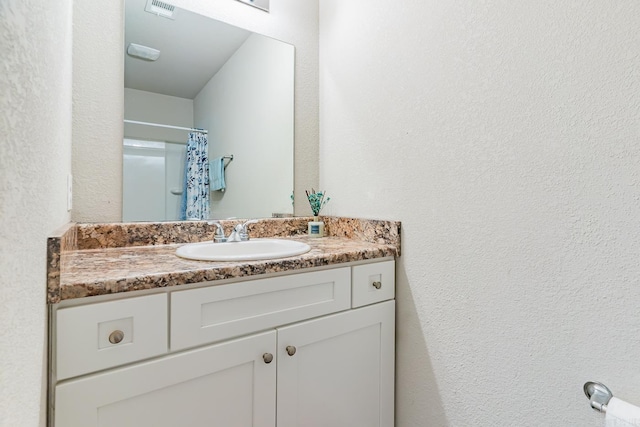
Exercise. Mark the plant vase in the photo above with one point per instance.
(316, 228)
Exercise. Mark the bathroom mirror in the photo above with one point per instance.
(236, 84)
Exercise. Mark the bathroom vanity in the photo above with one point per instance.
(310, 346)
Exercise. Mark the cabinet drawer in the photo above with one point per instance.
(373, 283)
(211, 314)
(98, 336)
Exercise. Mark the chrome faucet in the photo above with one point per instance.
(240, 232)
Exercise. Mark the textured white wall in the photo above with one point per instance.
(98, 96)
(505, 136)
(35, 158)
(248, 109)
(98, 83)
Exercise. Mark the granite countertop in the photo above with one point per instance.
(83, 262)
(105, 271)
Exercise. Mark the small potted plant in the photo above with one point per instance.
(317, 201)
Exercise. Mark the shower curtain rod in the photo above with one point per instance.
(165, 126)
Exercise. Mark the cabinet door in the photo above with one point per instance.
(338, 370)
(228, 384)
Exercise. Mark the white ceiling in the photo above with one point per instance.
(192, 49)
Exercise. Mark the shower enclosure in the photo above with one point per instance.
(152, 174)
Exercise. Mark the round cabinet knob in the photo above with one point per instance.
(116, 337)
(377, 285)
(291, 350)
(267, 357)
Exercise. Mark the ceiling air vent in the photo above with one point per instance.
(161, 8)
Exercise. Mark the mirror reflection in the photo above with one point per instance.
(186, 71)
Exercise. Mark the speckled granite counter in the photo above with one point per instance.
(99, 259)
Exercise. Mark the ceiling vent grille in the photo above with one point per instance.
(161, 8)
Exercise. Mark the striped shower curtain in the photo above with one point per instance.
(195, 197)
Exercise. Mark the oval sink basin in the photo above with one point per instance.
(251, 250)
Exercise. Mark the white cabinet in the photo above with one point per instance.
(98, 336)
(214, 313)
(228, 384)
(373, 283)
(291, 343)
(338, 370)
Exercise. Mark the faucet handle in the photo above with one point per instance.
(218, 237)
(251, 221)
(243, 230)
